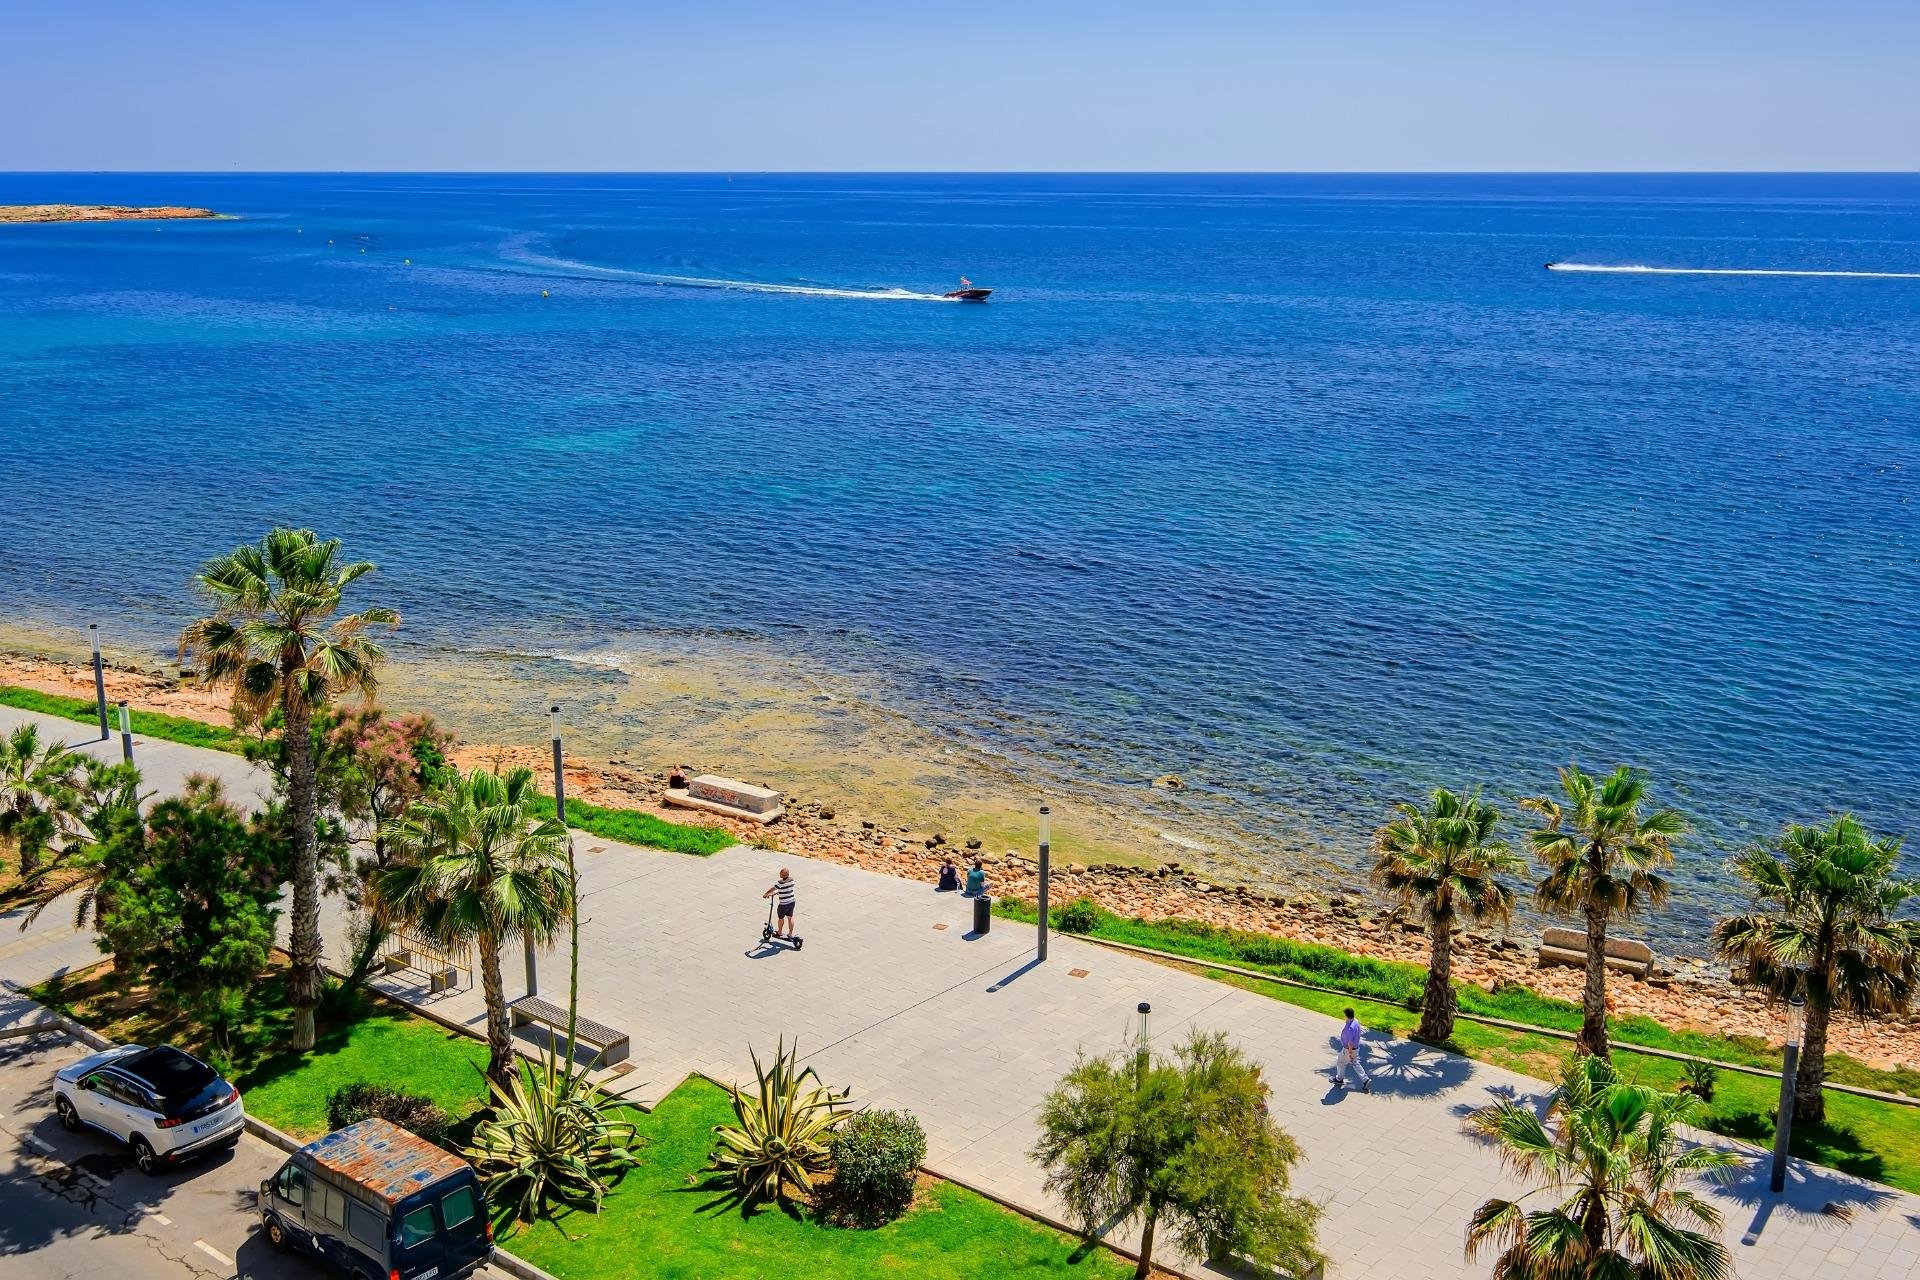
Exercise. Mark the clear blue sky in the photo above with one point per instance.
(987, 84)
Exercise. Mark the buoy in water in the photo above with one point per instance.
(545, 294)
(406, 262)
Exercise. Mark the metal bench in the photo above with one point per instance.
(404, 951)
(612, 1045)
(1569, 946)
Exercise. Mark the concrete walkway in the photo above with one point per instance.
(892, 997)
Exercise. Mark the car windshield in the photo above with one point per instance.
(173, 1076)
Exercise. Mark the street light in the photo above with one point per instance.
(1789, 1067)
(1143, 1052)
(99, 680)
(1046, 862)
(560, 814)
(126, 732)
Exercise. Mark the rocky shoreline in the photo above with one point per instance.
(1684, 993)
(98, 212)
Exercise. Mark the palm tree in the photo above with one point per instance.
(472, 867)
(107, 801)
(1442, 861)
(36, 794)
(1825, 905)
(1602, 859)
(278, 640)
(1613, 1173)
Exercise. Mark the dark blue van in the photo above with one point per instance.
(379, 1203)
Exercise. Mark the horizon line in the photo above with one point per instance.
(1126, 173)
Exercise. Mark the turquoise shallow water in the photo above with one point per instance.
(1316, 491)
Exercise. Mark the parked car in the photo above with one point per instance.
(167, 1106)
(379, 1203)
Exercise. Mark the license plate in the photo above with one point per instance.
(208, 1126)
(428, 1274)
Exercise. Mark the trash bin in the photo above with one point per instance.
(982, 914)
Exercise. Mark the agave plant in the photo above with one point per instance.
(552, 1137)
(785, 1121)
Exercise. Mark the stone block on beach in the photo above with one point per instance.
(729, 797)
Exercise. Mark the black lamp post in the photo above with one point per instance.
(1789, 1068)
(1143, 1050)
(1046, 865)
(560, 814)
(99, 680)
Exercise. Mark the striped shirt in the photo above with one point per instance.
(783, 892)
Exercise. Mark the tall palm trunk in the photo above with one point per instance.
(494, 991)
(1809, 1079)
(304, 979)
(1145, 1269)
(1437, 1009)
(1593, 1002)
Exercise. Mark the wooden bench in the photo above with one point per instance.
(612, 1045)
(1569, 946)
(403, 951)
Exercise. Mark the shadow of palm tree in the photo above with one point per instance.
(1414, 1069)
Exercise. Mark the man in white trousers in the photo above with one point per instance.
(1349, 1060)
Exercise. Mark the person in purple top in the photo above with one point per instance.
(1349, 1060)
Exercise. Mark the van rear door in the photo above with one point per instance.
(442, 1231)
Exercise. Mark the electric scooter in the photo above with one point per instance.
(768, 935)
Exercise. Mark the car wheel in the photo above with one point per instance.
(143, 1156)
(277, 1235)
(69, 1118)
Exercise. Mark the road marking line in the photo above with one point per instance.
(160, 1218)
(213, 1253)
(39, 1144)
(99, 1182)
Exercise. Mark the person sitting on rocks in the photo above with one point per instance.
(976, 880)
(949, 876)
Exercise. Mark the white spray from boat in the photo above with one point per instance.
(1636, 270)
(570, 267)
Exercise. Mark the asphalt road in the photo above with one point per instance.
(73, 1207)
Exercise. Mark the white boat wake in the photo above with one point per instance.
(570, 267)
(1730, 271)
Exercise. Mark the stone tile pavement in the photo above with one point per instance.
(968, 1034)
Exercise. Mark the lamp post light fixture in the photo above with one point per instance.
(99, 680)
(126, 732)
(1046, 867)
(1789, 1068)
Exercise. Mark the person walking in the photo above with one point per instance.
(1349, 1059)
(782, 894)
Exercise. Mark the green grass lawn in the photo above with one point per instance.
(630, 826)
(682, 1223)
(375, 1041)
(147, 724)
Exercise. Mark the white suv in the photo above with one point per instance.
(167, 1106)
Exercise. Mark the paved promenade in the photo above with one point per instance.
(892, 997)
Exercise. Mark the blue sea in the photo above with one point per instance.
(1315, 491)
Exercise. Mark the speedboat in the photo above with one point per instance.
(967, 292)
